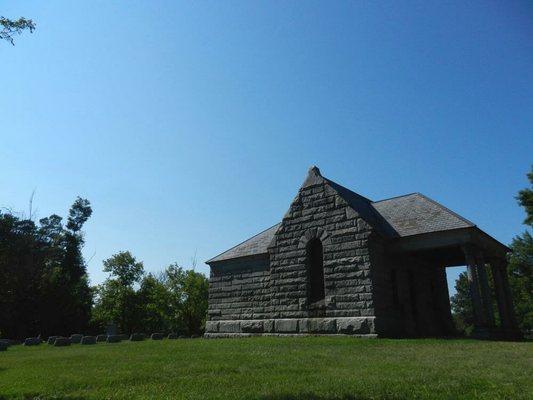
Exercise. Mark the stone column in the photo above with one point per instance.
(486, 295)
(504, 297)
(479, 317)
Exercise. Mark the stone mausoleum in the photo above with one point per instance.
(339, 263)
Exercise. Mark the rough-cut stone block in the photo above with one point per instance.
(157, 336)
(76, 338)
(286, 325)
(252, 326)
(88, 340)
(322, 325)
(62, 341)
(353, 325)
(137, 337)
(229, 326)
(268, 325)
(211, 326)
(101, 338)
(114, 338)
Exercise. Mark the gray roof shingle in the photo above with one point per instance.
(257, 244)
(414, 214)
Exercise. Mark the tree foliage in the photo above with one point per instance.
(521, 263)
(172, 301)
(44, 286)
(525, 199)
(14, 27)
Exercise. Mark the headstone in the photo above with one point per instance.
(62, 341)
(182, 337)
(3, 346)
(113, 338)
(172, 336)
(157, 336)
(88, 340)
(101, 338)
(52, 339)
(32, 341)
(76, 338)
(111, 329)
(5, 342)
(137, 337)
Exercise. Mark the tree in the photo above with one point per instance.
(525, 199)
(521, 280)
(521, 263)
(44, 286)
(155, 297)
(189, 292)
(461, 304)
(116, 299)
(12, 27)
(125, 268)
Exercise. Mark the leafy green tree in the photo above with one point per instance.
(157, 311)
(521, 263)
(14, 27)
(189, 292)
(525, 199)
(116, 299)
(461, 304)
(44, 286)
(124, 268)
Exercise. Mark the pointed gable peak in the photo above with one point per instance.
(314, 177)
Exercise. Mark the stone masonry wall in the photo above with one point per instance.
(319, 212)
(271, 296)
(238, 290)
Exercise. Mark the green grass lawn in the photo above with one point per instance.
(271, 368)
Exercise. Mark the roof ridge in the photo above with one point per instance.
(239, 244)
(350, 190)
(447, 209)
(396, 197)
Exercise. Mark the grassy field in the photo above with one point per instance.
(271, 368)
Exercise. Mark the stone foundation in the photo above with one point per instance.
(357, 326)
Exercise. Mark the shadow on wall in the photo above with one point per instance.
(313, 396)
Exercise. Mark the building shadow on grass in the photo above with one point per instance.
(314, 396)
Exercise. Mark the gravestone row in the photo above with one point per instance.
(60, 341)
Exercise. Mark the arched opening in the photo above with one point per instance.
(315, 266)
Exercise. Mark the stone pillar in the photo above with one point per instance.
(479, 317)
(504, 298)
(486, 295)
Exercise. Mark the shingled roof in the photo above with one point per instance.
(408, 215)
(414, 214)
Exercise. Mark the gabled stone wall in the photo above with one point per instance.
(281, 305)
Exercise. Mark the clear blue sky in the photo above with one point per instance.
(191, 125)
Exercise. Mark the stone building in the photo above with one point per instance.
(339, 263)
